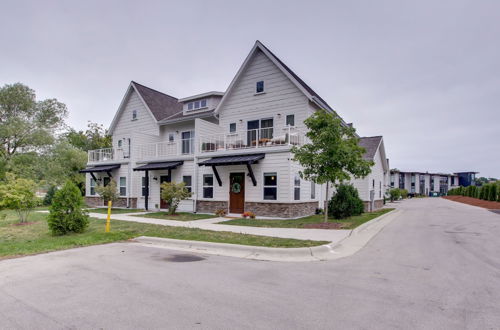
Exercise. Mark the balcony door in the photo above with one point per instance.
(187, 142)
(253, 132)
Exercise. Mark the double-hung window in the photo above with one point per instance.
(296, 188)
(232, 127)
(123, 186)
(290, 120)
(134, 114)
(92, 187)
(270, 186)
(187, 182)
(208, 186)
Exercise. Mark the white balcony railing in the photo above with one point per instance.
(106, 154)
(165, 149)
(253, 138)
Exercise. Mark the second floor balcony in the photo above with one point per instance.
(268, 137)
(252, 138)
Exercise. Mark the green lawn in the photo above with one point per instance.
(349, 223)
(16, 240)
(179, 216)
(114, 210)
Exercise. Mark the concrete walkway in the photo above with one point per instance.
(211, 224)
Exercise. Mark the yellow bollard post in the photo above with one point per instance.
(109, 217)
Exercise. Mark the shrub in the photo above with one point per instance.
(67, 214)
(173, 193)
(404, 193)
(47, 200)
(486, 192)
(394, 194)
(108, 192)
(345, 202)
(18, 195)
(248, 214)
(493, 193)
(318, 210)
(220, 213)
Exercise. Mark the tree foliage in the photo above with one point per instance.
(108, 192)
(333, 154)
(18, 194)
(346, 202)
(94, 137)
(25, 123)
(67, 214)
(173, 193)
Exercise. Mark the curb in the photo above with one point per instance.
(356, 240)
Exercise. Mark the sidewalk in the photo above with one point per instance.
(329, 235)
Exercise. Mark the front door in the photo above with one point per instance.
(237, 193)
(163, 178)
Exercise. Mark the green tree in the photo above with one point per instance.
(346, 202)
(173, 193)
(333, 154)
(67, 214)
(94, 137)
(19, 195)
(108, 192)
(25, 123)
(394, 194)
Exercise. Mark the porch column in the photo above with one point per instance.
(146, 195)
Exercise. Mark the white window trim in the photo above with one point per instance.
(295, 186)
(207, 186)
(120, 186)
(263, 90)
(264, 185)
(92, 186)
(200, 106)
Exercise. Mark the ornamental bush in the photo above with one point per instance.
(394, 194)
(108, 192)
(18, 195)
(67, 214)
(173, 193)
(486, 192)
(47, 200)
(346, 202)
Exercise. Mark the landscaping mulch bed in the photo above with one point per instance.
(327, 225)
(474, 201)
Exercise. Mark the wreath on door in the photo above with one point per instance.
(236, 188)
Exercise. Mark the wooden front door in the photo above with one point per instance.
(237, 193)
(163, 178)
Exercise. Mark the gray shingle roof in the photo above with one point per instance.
(370, 144)
(160, 104)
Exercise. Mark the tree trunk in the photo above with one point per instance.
(326, 203)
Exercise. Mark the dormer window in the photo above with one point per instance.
(134, 115)
(197, 104)
(259, 87)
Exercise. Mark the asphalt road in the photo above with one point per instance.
(437, 266)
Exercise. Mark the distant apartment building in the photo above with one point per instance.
(424, 183)
(466, 179)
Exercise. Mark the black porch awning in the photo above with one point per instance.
(159, 166)
(101, 168)
(234, 160)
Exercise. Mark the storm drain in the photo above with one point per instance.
(183, 258)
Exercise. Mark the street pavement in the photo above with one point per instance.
(436, 266)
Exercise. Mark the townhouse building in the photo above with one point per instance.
(423, 183)
(232, 149)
